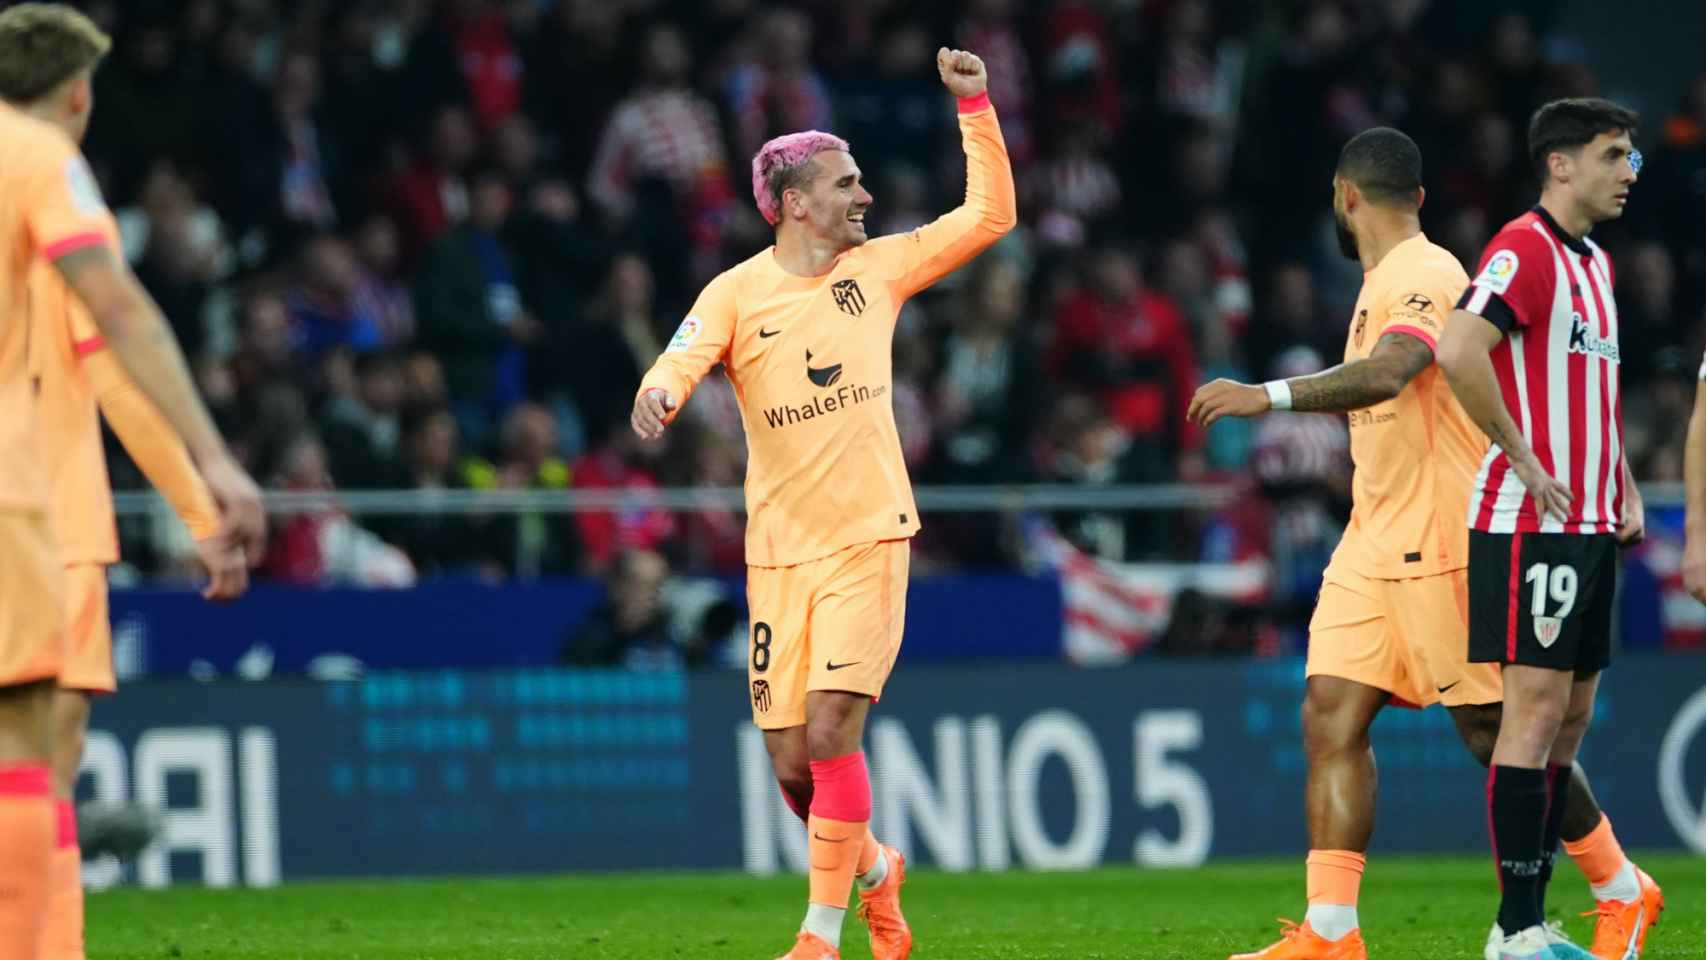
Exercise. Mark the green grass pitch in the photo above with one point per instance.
(1411, 908)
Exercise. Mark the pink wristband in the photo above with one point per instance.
(974, 104)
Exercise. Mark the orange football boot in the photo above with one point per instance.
(1299, 942)
(1620, 929)
(810, 946)
(879, 907)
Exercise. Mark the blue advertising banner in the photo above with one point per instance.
(447, 623)
(1012, 766)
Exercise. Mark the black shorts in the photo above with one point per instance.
(1549, 607)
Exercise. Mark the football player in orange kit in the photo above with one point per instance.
(51, 212)
(76, 376)
(804, 331)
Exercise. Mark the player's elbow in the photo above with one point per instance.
(1452, 357)
(1003, 215)
(993, 223)
(120, 321)
(1002, 218)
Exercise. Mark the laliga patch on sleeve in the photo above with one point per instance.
(684, 335)
(85, 193)
(1499, 272)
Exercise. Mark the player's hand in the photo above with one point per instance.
(1694, 567)
(1551, 498)
(245, 519)
(962, 72)
(227, 567)
(1226, 398)
(650, 412)
(1632, 526)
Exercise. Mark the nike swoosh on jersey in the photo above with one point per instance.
(763, 334)
(832, 665)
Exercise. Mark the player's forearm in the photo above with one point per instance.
(142, 342)
(990, 209)
(152, 444)
(1477, 388)
(989, 171)
(138, 336)
(1346, 387)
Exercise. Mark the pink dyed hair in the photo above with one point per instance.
(778, 164)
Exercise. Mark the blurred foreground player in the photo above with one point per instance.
(73, 374)
(51, 210)
(1694, 488)
(804, 331)
(1392, 621)
(1532, 354)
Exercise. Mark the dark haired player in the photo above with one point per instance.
(1532, 354)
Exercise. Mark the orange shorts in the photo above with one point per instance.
(32, 608)
(831, 624)
(89, 632)
(1407, 637)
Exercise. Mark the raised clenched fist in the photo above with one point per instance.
(962, 72)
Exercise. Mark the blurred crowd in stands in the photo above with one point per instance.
(414, 244)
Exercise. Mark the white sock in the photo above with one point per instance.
(874, 877)
(825, 922)
(1331, 921)
(1624, 886)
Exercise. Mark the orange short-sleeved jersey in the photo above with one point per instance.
(1416, 454)
(810, 359)
(80, 495)
(49, 206)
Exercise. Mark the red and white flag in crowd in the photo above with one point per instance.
(1113, 611)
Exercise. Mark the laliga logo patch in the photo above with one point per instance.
(1499, 272)
(85, 194)
(684, 335)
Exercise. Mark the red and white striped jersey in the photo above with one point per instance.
(1558, 370)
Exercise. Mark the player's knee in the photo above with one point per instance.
(793, 771)
(826, 741)
(1328, 729)
(1534, 728)
(1575, 721)
(834, 725)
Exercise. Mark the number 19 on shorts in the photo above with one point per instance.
(1542, 599)
(1555, 581)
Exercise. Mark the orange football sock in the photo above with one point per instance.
(65, 911)
(1334, 876)
(835, 847)
(1598, 854)
(27, 830)
(868, 854)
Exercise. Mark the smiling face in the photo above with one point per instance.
(832, 204)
